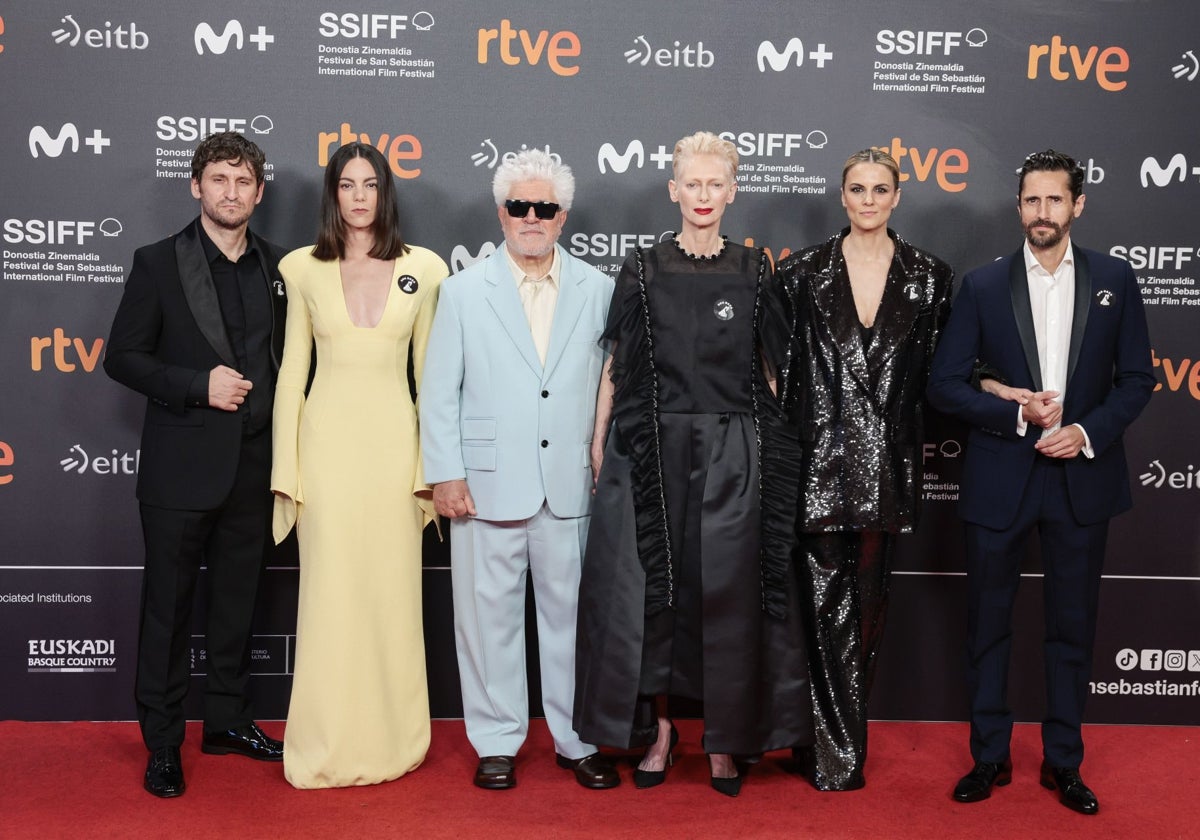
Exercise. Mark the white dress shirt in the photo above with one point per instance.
(1052, 301)
(539, 296)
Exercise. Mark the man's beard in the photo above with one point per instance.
(1046, 240)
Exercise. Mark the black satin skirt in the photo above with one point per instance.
(714, 643)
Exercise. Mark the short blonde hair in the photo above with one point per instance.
(873, 155)
(704, 143)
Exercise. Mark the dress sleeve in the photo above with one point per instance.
(289, 406)
(436, 271)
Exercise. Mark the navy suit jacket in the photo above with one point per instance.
(1109, 381)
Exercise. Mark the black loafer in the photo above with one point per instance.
(977, 785)
(1072, 792)
(594, 772)
(496, 772)
(247, 740)
(164, 773)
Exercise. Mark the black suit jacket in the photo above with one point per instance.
(1109, 382)
(167, 330)
(859, 409)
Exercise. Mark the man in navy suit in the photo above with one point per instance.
(1064, 328)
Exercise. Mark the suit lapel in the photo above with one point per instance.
(903, 294)
(835, 302)
(278, 297)
(1083, 301)
(504, 300)
(201, 294)
(1018, 285)
(566, 312)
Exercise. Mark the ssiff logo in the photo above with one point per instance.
(792, 54)
(515, 46)
(1177, 170)
(1104, 65)
(206, 37)
(110, 37)
(42, 143)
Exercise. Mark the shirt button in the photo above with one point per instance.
(545, 443)
(545, 394)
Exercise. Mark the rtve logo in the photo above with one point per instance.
(206, 37)
(1177, 169)
(64, 352)
(398, 150)
(1, 31)
(608, 158)
(926, 42)
(42, 143)
(683, 55)
(1103, 64)
(944, 165)
(791, 54)
(7, 459)
(532, 48)
(1177, 374)
(110, 37)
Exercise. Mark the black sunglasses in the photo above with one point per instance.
(519, 209)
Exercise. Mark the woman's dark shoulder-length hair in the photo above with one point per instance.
(331, 235)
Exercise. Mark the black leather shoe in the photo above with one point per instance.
(728, 785)
(643, 779)
(496, 772)
(594, 772)
(1072, 792)
(247, 740)
(164, 773)
(977, 785)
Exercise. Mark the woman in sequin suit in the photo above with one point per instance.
(686, 590)
(868, 307)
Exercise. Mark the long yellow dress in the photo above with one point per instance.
(346, 466)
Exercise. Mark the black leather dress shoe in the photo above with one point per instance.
(977, 785)
(164, 773)
(247, 740)
(1072, 792)
(594, 772)
(496, 772)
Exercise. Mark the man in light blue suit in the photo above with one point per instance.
(507, 414)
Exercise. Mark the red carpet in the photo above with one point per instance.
(83, 780)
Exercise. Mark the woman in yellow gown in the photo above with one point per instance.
(347, 474)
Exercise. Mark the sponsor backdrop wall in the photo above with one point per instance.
(104, 102)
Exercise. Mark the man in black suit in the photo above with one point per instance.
(199, 331)
(1065, 328)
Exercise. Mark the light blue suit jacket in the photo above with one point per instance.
(519, 433)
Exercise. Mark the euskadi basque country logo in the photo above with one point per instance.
(65, 656)
(678, 54)
(120, 36)
(1175, 171)
(1188, 67)
(792, 54)
(65, 138)
(489, 156)
(216, 39)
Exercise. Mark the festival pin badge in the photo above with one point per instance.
(912, 291)
(1104, 297)
(723, 309)
(407, 283)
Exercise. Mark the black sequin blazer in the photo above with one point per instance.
(859, 409)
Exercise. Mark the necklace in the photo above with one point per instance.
(700, 257)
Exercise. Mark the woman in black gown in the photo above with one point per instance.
(869, 308)
(686, 589)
